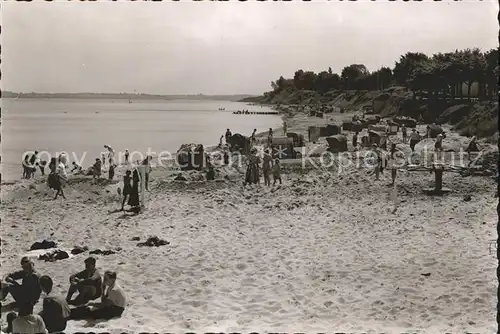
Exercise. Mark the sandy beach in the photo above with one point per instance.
(324, 251)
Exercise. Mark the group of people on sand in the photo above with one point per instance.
(30, 164)
(56, 310)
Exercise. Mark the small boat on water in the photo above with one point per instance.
(222, 109)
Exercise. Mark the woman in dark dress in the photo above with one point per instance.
(127, 187)
(133, 200)
(53, 178)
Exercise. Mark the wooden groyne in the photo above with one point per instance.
(256, 112)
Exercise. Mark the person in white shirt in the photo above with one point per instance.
(113, 300)
(62, 178)
(27, 322)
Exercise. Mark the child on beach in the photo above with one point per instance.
(276, 171)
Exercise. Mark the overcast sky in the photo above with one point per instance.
(221, 48)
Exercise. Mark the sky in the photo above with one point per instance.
(221, 47)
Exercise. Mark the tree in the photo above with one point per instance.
(352, 74)
(491, 73)
(404, 68)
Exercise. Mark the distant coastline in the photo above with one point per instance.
(125, 96)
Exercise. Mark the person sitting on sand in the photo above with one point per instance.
(276, 171)
(77, 169)
(26, 322)
(266, 167)
(9, 319)
(113, 300)
(56, 311)
(97, 169)
(62, 178)
(29, 289)
(127, 187)
(414, 139)
(87, 282)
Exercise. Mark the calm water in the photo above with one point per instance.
(56, 125)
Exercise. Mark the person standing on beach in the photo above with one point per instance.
(392, 163)
(355, 141)
(26, 167)
(276, 171)
(62, 178)
(87, 283)
(127, 187)
(220, 140)
(133, 199)
(378, 160)
(414, 139)
(252, 137)
(270, 137)
(147, 165)
(405, 134)
(266, 167)
(41, 166)
(284, 128)
(111, 154)
(56, 311)
(228, 136)
(111, 172)
(103, 160)
(127, 154)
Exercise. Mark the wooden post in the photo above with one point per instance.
(438, 172)
(142, 175)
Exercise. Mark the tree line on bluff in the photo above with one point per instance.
(439, 75)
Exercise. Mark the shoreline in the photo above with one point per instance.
(324, 250)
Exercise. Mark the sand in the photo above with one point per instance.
(322, 252)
